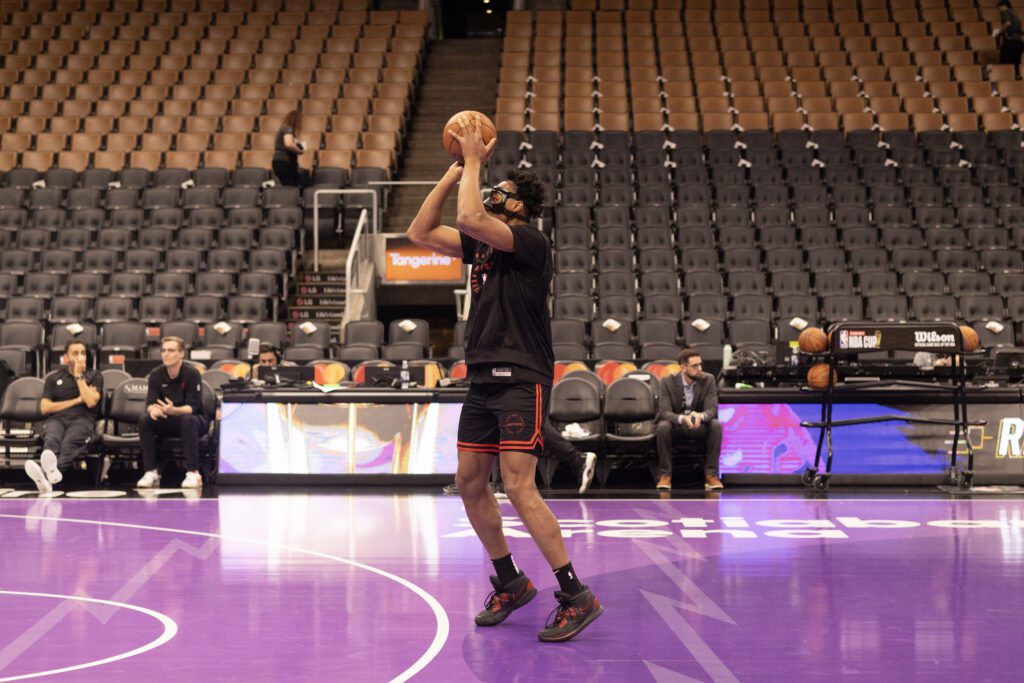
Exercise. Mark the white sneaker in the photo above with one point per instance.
(589, 465)
(149, 480)
(35, 473)
(193, 480)
(49, 462)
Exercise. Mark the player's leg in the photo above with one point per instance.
(524, 408)
(558, 447)
(472, 480)
(478, 447)
(519, 472)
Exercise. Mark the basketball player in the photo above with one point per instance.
(511, 367)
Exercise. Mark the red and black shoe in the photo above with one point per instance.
(573, 614)
(505, 599)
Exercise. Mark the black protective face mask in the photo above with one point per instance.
(495, 203)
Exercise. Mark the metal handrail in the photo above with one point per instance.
(352, 263)
(316, 216)
(463, 299)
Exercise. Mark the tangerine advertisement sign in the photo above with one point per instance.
(406, 262)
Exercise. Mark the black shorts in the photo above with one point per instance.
(499, 417)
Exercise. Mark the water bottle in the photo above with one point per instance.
(404, 375)
(794, 354)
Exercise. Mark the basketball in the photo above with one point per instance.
(817, 376)
(813, 340)
(970, 337)
(452, 146)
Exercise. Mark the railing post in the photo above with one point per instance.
(374, 203)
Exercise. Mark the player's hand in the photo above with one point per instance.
(166, 406)
(156, 412)
(697, 419)
(472, 142)
(79, 368)
(454, 173)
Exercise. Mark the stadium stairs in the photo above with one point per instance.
(459, 74)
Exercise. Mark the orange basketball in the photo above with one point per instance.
(452, 146)
(970, 337)
(817, 376)
(813, 340)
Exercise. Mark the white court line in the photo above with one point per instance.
(934, 498)
(170, 630)
(443, 627)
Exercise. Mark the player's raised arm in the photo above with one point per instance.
(473, 218)
(426, 229)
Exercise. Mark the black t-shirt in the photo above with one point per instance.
(508, 333)
(282, 153)
(61, 386)
(1014, 32)
(185, 389)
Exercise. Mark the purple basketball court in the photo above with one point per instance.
(324, 586)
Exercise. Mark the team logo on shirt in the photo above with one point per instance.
(513, 423)
(481, 267)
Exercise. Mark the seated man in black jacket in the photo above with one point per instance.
(688, 410)
(174, 408)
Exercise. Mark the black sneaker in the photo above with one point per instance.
(573, 614)
(505, 599)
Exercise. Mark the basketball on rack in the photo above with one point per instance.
(817, 376)
(813, 340)
(452, 146)
(970, 337)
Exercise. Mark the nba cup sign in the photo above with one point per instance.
(861, 340)
(406, 262)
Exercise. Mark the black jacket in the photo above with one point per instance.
(672, 400)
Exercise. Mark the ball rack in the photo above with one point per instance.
(847, 340)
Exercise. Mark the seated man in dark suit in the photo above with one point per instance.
(688, 410)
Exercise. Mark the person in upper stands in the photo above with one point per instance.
(287, 148)
(1010, 35)
(174, 408)
(688, 410)
(71, 400)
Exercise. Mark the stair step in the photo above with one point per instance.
(322, 276)
(321, 301)
(332, 289)
(458, 74)
(316, 312)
